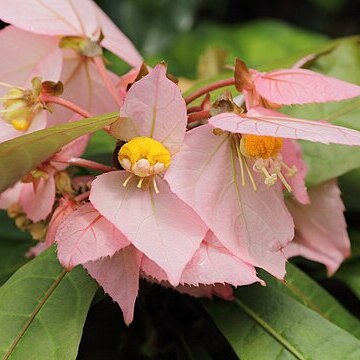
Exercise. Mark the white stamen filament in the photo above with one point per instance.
(283, 180)
(140, 182)
(241, 164)
(291, 171)
(250, 176)
(155, 185)
(127, 180)
(10, 86)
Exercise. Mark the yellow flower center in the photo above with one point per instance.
(144, 156)
(263, 147)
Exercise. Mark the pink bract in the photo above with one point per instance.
(119, 277)
(301, 86)
(290, 86)
(321, 233)
(265, 122)
(211, 264)
(85, 235)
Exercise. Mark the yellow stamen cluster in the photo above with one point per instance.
(144, 156)
(265, 152)
(18, 108)
(262, 147)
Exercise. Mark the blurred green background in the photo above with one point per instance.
(260, 31)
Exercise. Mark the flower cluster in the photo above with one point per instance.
(193, 205)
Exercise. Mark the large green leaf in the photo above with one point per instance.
(43, 309)
(350, 185)
(263, 324)
(13, 247)
(20, 155)
(302, 288)
(349, 273)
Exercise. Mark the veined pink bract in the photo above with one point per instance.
(290, 86)
(321, 233)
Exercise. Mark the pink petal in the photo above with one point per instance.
(119, 277)
(10, 196)
(300, 86)
(65, 208)
(212, 263)
(49, 68)
(39, 122)
(320, 227)
(292, 155)
(84, 86)
(160, 225)
(261, 121)
(28, 55)
(117, 42)
(8, 132)
(124, 81)
(51, 17)
(72, 150)
(154, 108)
(37, 204)
(254, 226)
(85, 236)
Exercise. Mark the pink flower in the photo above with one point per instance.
(83, 29)
(320, 227)
(211, 172)
(289, 86)
(25, 56)
(212, 176)
(138, 201)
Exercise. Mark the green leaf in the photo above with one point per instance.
(308, 292)
(13, 247)
(350, 185)
(263, 324)
(43, 309)
(20, 155)
(349, 273)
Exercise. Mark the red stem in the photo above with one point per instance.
(204, 90)
(82, 197)
(84, 163)
(193, 109)
(201, 115)
(65, 103)
(99, 62)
